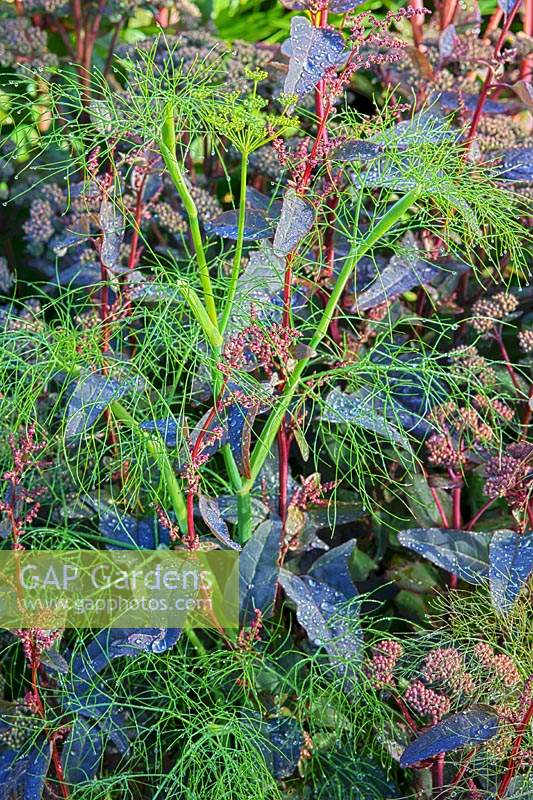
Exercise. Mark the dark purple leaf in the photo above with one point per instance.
(424, 127)
(285, 743)
(146, 534)
(311, 52)
(404, 271)
(506, 6)
(115, 728)
(112, 225)
(462, 553)
(167, 428)
(335, 6)
(262, 202)
(228, 507)
(469, 728)
(81, 698)
(36, 771)
(448, 41)
(296, 220)
(524, 90)
(278, 739)
(356, 150)
(361, 409)
(342, 6)
(259, 283)
(78, 274)
(407, 398)
(153, 184)
(385, 172)
(11, 770)
(511, 564)
(258, 569)
(208, 425)
(82, 751)
(54, 661)
(333, 568)
(320, 611)
(92, 394)
(517, 165)
(211, 515)
(118, 642)
(240, 422)
(60, 244)
(451, 101)
(226, 225)
(24, 776)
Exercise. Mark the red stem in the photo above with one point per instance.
(477, 516)
(283, 470)
(511, 764)
(529, 510)
(457, 520)
(56, 758)
(434, 494)
(490, 74)
(494, 21)
(528, 413)
(438, 771)
(447, 13)
(462, 769)
(497, 335)
(526, 68)
(440, 507)
(104, 307)
(407, 716)
(417, 22)
(319, 20)
(132, 259)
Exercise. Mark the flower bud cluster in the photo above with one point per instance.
(381, 666)
(427, 702)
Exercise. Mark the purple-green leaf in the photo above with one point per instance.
(211, 515)
(258, 569)
(312, 51)
(356, 150)
(404, 271)
(333, 568)
(296, 220)
(92, 394)
(360, 409)
(112, 225)
(82, 751)
(226, 225)
(320, 610)
(471, 727)
(462, 553)
(511, 565)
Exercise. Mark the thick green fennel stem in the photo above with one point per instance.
(358, 250)
(168, 151)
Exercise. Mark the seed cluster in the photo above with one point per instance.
(466, 362)
(509, 475)
(487, 311)
(525, 341)
(23, 725)
(24, 46)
